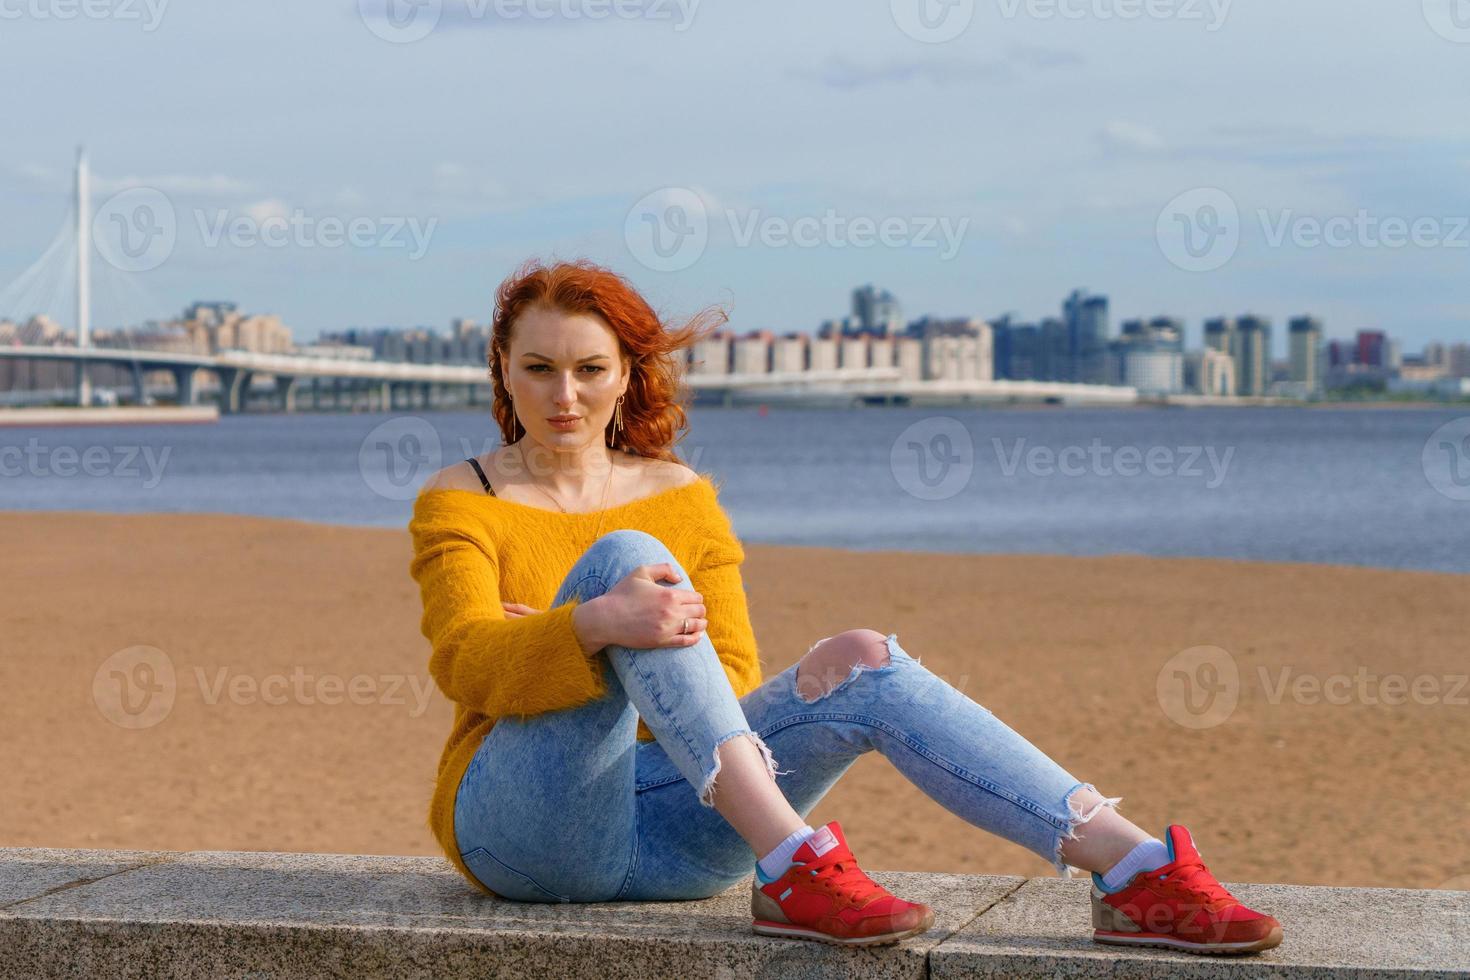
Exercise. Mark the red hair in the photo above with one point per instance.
(653, 406)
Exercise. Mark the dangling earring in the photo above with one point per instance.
(617, 421)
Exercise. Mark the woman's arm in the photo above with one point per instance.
(481, 658)
(717, 577)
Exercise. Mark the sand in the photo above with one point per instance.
(1287, 787)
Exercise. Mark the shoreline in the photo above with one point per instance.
(755, 543)
(1075, 653)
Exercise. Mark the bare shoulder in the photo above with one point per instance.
(458, 476)
(662, 474)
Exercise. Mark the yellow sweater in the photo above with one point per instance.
(473, 550)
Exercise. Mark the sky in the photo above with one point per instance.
(340, 163)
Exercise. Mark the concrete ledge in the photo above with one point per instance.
(66, 913)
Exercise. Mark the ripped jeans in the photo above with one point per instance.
(568, 806)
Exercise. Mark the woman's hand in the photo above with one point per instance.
(641, 614)
(515, 610)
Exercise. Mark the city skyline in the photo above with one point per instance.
(1047, 179)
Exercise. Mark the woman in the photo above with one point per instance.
(613, 739)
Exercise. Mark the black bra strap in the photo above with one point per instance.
(481, 473)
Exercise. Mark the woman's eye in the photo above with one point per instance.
(592, 367)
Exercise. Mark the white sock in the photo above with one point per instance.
(774, 865)
(1152, 853)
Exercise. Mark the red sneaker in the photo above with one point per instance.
(1179, 906)
(825, 896)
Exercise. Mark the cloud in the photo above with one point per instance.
(213, 185)
(846, 74)
(1121, 136)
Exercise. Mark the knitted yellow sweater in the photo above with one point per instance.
(473, 551)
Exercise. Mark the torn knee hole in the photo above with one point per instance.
(834, 661)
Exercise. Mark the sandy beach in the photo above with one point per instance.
(301, 716)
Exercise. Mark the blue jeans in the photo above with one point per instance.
(568, 806)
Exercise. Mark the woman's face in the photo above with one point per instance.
(564, 365)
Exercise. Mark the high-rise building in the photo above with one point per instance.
(1306, 351)
(1209, 372)
(1372, 348)
(876, 311)
(1149, 356)
(1086, 317)
(1253, 363)
(1054, 352)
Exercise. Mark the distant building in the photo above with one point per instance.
(1458, 360)
(711, 354)
(1372, 348)
(1209, 372)
(1253, 363)
(1306, 352)
(875, 311)
(789, 353)
(1149, 356)
(753, 352)
(958, 349)
(1086, 317)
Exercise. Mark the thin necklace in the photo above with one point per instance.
(602, 510)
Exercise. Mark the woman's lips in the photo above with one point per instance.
(564, 424)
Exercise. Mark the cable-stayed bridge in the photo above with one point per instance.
(60, 282)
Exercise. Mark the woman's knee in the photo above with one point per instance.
(616, 553)
(832, 659)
